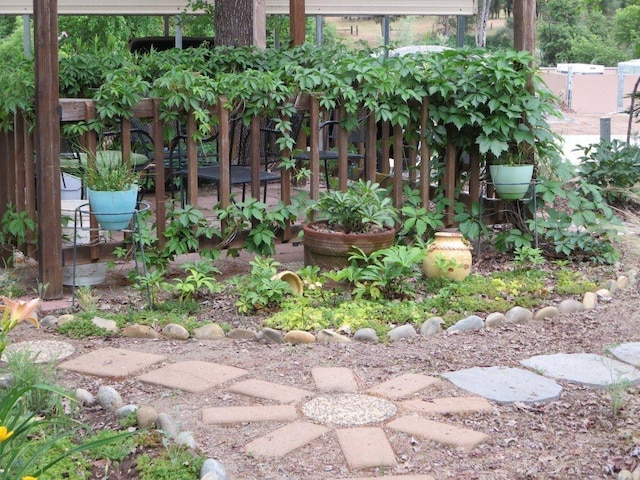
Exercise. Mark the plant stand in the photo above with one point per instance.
(84, 211)
(530, 196)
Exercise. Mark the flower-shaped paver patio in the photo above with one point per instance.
(359, 418)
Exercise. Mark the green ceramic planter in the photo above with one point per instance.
(511, 181)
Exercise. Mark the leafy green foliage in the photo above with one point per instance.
(198, 281)
(176, 463)
(570, 282)
(260, 289)
(470, 221)
(27, 373)
(364, 207)
(16, 226)
(586, 229)
(389, 273)
(614, 167)
(301, 314)
(38, 443)
(186, 225)
(111, 176)
(528, 256)
(418, 223)
(82, 328)
(263, 223)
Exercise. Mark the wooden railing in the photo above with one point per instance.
(18, 172)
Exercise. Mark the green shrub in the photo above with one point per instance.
(614, 166)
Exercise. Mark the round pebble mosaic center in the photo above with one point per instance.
(348, 409)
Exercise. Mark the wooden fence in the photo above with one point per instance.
(412, 163)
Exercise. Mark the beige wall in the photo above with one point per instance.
(590, 93)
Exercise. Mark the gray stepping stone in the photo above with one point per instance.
(506, 384)
(584, 368)
(628, 353)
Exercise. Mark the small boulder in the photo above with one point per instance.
(146, 416)
(366, 335)
(622, 282)
(495, 319)
(298, 336)
(329, 336)
(590, 300)
(211, 331)
(109, 398)
(140, 331)
(50, 321)
(242, 334)
(84, 397)
(175, 331)
(108, 325)
(570, 306)
(403, 331)
(125, 411)
(604, 295)
(546, 312)
(519, 315)
(472, 322)
(213, 467)
(431, 326)
(269, 335)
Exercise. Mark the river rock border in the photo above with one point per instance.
(431, 326)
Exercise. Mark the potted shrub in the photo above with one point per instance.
(363, 217)
(511, 172)
(111, 189)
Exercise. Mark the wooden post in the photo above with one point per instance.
(314, 142)
(159, 173)
(425, 155)
(47, 143)
(224, 154)
(297, 21)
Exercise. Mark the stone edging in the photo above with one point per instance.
(431, 326)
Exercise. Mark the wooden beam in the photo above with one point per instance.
(297, 21)
(47, 143)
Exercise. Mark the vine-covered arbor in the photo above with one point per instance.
(18, 147)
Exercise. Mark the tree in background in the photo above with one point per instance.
(484, 9)
(100, 33)
(578, 31)
(11, 43)
(627, 28)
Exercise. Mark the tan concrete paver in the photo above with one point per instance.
(438, 432)
(366, 447)
(394, 477)
(253, 413)
(402, 386)
(270, 391)
(286, 439)
(457, 405)
(334, 379)
(112, 362)
(192, 376)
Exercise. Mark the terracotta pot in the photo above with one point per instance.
(292, 279)
(453, 251)
(331, 250)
